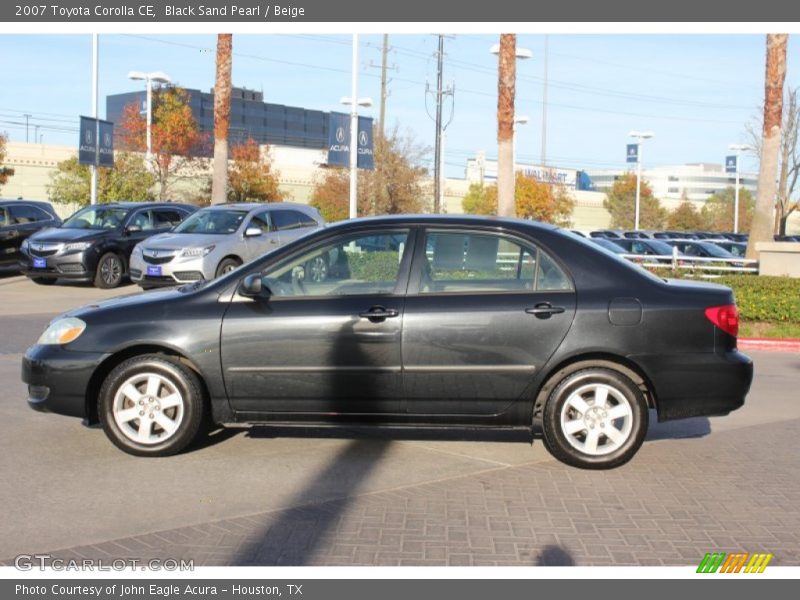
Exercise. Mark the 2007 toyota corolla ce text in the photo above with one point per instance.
(419, 321)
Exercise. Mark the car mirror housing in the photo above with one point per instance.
(253, 286)
(252, 232)
(133, 229)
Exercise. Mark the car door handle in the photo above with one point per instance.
(379, 313)
(544, 310)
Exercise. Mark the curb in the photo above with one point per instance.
(770, 344)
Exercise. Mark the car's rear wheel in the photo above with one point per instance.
(595, 418)
(44, 280)
(226, 265)
(151, 405)
(110, 270)
(317, 269)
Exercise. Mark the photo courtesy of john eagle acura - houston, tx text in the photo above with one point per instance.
(414, 321)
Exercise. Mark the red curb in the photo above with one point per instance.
(770, 344)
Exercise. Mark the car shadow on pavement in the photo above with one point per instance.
(674, 430)
(554, 556)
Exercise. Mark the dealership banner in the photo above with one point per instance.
(339, 142)
(96, 142)
(349, 11)
(632, 153)
(730, 163)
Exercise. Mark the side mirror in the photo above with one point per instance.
(252, 232)
(133, 229)
(253, 287)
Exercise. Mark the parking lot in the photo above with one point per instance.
(277, 496)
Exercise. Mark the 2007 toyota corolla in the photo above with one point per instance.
(419, 321)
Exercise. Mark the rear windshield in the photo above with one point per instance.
(215, 221)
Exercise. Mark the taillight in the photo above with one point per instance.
(725, 317)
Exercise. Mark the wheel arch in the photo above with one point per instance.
(575, 363)
(104, 368)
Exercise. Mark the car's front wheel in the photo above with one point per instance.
(595, 418)
(227, 265)
(151, 405)
(110, 270)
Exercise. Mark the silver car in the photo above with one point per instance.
(217, 239)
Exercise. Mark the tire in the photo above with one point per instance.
(226, 265)
(44, 280)
(577, 427)
(157, 385)
(317, 269)
(110, 271)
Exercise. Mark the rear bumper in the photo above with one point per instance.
(57, 379)
(693, 385)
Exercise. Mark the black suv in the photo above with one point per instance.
(95, 244)
(19, 219)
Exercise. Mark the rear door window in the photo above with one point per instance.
(167, 218)
(27, 214)
(283, 219)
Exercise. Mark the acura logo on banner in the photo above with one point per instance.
(339, 141)
(632, 154)
(96, 145)
(730, 164)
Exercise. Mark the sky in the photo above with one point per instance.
(695, 92)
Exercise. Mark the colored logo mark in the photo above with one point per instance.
(737, 562)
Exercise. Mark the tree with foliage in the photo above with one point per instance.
(176, 140)
(686, 217)
(251, 177)
(533, 200)
(128, 180)
(620, 201)
(395, 185)
(4, 173)
(717, 212)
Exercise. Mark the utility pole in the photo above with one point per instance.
(544, 105)
(437, 181)
(506, 89)
(384, 57)
(95, 102)
(354, 132)
(222, 118)
(27, 116)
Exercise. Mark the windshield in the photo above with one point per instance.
(215, 221)
(96, 217)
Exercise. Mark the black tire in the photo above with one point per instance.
(181, 380)
(317, 269)
(44, 280)
(226, 265)
(110, 271)
(630, 429)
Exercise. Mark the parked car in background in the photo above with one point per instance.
(636, 235)
(94, 245)
(20, 219)
(738, 249)
(735, 237)
(648, 248)
(611, 234)
(427, 321)
(674, 235)
(218, 239)
(610, 245)
(704, 249)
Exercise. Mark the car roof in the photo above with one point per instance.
(143, 204)
(24, 201)
(448, 220)
(260, 205)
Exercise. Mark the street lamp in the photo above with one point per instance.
(365, 102)
(149, 78)
(738, 148)
(520, 120)
(640, 136)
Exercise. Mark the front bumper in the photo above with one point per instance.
(76, 266)
(58, 379)
(693, 385)
(176, 271)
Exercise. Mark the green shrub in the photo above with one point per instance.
(373, 266)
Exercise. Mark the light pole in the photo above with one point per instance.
(738, 148)
(520, 120)
(640, 136)
(354, 102)
(149, 78)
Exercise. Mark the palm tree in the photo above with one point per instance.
(222, 118)
(761, 227)
(506, 84)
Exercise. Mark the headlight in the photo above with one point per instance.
(137, 249)
(62, 331)
(24, 245)
(76, 246)
(195, 252)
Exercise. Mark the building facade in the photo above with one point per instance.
(698, 181)
(251, 117)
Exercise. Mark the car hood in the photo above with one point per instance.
(137, 300)
(177, 241)
(60, 234)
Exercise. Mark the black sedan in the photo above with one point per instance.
(95, 244)
(451, 322)
(20, 219)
